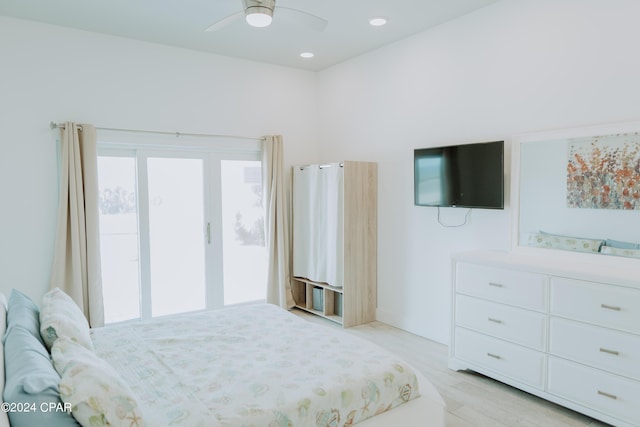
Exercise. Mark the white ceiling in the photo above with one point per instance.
(181, 23)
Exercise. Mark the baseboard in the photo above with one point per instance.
(406, 323)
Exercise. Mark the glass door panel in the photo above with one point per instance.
(243, 245)
(119, 238)
(176, 235)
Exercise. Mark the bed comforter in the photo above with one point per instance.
(252, 366)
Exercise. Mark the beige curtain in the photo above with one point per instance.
(76, 261)
(276, 223)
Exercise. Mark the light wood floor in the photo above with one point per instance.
(472, 400)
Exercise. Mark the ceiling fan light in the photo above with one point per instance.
(258, 16)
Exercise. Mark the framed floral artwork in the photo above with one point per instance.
(603, 172)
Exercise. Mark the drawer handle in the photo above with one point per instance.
(491, 319)
(610, 307)
(605, 350)
(496, 285)
(609, 395)
(495, 356)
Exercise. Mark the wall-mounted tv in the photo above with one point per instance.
(469, 175)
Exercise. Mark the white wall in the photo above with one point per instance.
(51, 73)
(516, 66)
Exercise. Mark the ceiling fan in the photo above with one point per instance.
(259, 13)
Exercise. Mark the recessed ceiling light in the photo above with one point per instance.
(378, 21)
(307, 55)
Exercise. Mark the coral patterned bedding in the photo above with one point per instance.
(254, 365)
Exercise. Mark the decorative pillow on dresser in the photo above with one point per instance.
(612, 250)
(567, 243)
(621, 245)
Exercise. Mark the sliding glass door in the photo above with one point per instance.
(244, 255)
(119, 237)
(175, 279)
(180, 231)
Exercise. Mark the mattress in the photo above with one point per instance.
(259, 365)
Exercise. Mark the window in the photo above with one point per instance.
(181, 230)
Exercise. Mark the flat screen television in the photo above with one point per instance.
(469, 175)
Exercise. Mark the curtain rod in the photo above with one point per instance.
(54, 125)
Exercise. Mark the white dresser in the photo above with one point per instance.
(563, 330)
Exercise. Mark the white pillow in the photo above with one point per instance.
(61, 317)
(4, 419)
(95, 391)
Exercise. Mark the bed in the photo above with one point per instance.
(253, 365)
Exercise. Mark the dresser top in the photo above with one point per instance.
(595, 268)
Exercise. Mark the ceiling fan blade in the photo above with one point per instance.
(225, 21)
(298, 17)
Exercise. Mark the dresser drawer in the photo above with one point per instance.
(603, 348)
(511, 360)
(607, 393)
(523, 289)
(606, 305)
(510, 323)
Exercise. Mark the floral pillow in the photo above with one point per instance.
(60, 316)
(568, 243)
(631, 253)
(97, 394)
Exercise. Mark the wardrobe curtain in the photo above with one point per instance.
(318, 212)
(277, 231)
(76, 262)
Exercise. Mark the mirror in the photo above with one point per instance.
(578, 189)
